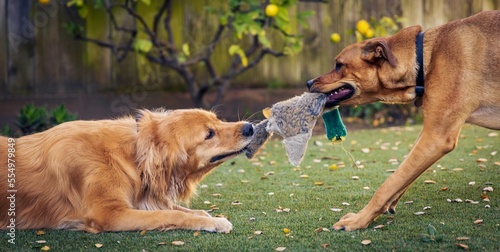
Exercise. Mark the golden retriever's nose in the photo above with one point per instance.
(247, 130)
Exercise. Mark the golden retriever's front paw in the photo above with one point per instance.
(222, 225)
(351, 222)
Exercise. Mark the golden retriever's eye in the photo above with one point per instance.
(210, 135)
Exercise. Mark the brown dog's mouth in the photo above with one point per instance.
(340, 94)
(226, 156)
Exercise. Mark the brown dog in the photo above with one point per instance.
(461, 70)
(117, 175)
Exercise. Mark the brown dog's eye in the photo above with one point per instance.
(211, 134)
(338, 66)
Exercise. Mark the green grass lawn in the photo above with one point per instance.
(274, 195)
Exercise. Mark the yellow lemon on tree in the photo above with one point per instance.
(335, 37)
(362, 26)
(369, 33)
(271, 10)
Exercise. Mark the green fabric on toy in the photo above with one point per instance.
(335, 128)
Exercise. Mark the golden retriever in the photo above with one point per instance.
(117, 175)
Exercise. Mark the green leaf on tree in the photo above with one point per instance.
(143, 45)
(236, 49)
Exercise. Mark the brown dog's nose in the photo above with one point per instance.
(247, 130)
(310, 83)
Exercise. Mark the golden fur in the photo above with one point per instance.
(119, 175)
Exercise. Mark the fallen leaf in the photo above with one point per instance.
(493, 134)
(98, 245)
(304, 176)
(45, 248)
(236, 202)
(366, 242)
(366, 188)
(378, 226)
(463, 238)
(258, 232)
(488, 189)
(419, 213)
(143, 232)
(354, 177)
(280, 248)
(365, 150)
(40, 232)
(481, 160)
(161, 243)
(497, 163)
(41, 241)
(196, 233)
(444, 189)
(335, 209)
(477, 222)
(326, 245)
(333, 167)
(428, 181)
(464, 246)
(267, 112)
(177, 243)
(286, 230)
(318, 183)
(472, 183)
(458, 169)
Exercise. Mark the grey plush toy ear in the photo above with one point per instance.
(260, 137)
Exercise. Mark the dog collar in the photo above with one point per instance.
(419, 88)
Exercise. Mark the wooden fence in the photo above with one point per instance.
(39, 58)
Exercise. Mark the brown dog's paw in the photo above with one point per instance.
(350, 222)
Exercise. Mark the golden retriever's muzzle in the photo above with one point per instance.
(247, 132)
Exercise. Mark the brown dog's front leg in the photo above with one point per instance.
(429, 148)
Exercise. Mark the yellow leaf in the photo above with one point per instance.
(45, 248)
(185, 49)
(280, 248)
(286, 230)
(177, 243)
(98, 245)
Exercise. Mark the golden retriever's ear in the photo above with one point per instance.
(374, 51)
(158, 153)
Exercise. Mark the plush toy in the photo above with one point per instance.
(335, 128)
(294, 120)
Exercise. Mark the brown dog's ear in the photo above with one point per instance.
(377, 50)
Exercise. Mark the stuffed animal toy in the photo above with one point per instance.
(294, 120)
